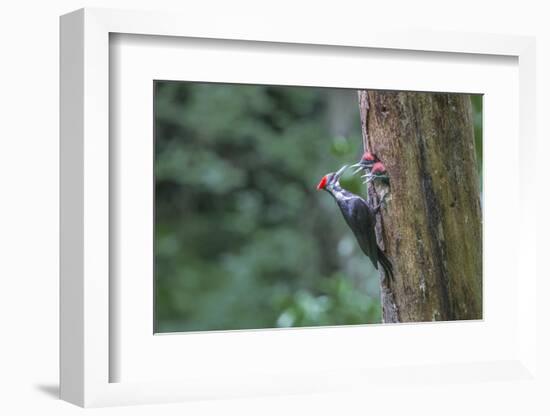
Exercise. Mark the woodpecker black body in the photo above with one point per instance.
(360, 217)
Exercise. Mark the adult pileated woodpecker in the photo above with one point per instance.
(360, 216)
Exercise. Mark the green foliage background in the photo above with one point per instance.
(242, 237)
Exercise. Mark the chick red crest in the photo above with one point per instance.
(323, 183)
(368, 156)
(378, 167)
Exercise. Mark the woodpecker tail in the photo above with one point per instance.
(386, 264)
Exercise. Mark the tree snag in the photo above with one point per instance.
(431, 225)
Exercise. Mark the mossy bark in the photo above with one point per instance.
(431, 226)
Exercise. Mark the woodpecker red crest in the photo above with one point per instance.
(331, 179)
(323, 183)
(368, 156)
(378, 168)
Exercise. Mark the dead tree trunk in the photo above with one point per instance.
(431, 225)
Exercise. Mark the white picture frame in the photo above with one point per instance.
(87, 303)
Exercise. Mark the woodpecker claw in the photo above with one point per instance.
(356, 171)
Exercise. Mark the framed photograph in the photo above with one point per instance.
(269, 212)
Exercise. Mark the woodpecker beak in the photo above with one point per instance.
(363, 165)
(359, 167)
(340, 172)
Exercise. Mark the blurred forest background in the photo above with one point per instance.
(242, 238)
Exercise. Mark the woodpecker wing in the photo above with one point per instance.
(361, 219)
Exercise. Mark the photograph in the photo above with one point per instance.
(251, 208)
(302, 206)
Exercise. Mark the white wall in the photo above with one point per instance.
(29, 186)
